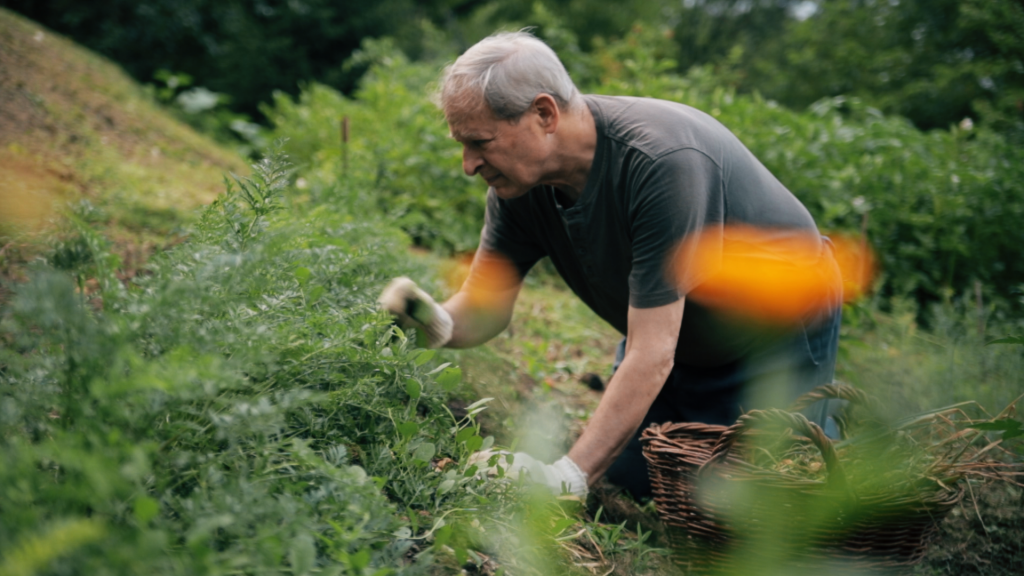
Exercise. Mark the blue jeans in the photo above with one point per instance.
(718, 395)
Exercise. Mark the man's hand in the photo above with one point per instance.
(414, 308)
(563, 475)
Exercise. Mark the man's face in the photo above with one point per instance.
(509, 156)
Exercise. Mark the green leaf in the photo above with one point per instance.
(413, 388)
(425, 452)
(445, 486)
(488, 442)
(474, 443)
(478, 404)
(465, 434)
(1008, 426)
(442, 536)
(302, 275)
(408, 429)
(423, 357)
(449, 378)
(302, 554)
(315, 294)
(439, 368)
(146, 509)
(359, 560)
(562, 525)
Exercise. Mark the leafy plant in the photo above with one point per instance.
(244, 406)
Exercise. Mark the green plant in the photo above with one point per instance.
(243, 406)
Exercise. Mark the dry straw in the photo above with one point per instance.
(773, 490)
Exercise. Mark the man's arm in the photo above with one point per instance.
(650, 354)
(477, 317)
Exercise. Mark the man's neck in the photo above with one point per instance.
(576, 144)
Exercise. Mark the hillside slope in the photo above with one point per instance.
(73, 125)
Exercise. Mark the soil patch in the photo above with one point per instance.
(984, 535)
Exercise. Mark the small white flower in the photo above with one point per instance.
(966, 124)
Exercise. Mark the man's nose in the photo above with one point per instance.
(471, 161)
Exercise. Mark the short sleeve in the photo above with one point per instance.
(680, 196)
(507, 238)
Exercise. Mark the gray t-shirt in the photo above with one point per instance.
(661, 172)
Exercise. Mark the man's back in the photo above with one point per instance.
(662, 172)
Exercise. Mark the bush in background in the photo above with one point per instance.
(942, 208)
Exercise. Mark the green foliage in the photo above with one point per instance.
(893, 358)
(33, 553)
(206, 111)
(243, 407)
(399, 161)
(934, 62)
(1009, 427)
(941, 208)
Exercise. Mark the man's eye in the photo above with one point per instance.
(479, 143)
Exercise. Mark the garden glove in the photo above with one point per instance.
(414, 308)
(563, 473)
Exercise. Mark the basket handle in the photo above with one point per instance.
(794, 420)
(831, 392)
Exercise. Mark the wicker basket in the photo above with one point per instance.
(727, 514)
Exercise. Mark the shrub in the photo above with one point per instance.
(243, 407)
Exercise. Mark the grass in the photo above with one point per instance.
(74, 127)
(911, 368)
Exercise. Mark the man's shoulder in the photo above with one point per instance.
(656, 127)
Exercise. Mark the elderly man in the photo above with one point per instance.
(608, 187)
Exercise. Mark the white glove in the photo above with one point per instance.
(414, 308)
(563, 473)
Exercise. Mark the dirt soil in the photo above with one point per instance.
(984, 536)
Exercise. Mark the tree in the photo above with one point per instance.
(933, 61)
(244, 48)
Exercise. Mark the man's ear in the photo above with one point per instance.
(547, 112)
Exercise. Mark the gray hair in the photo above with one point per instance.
(508, 70)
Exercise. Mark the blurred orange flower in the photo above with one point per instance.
(856, 262)
(770, 275)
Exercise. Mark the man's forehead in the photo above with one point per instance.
(462, 133)
(470, 122)
(481, 126)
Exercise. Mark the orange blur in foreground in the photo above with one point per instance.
(766, 277)
(491, 276)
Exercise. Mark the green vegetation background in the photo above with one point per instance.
(243, 407)
(847, 76)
